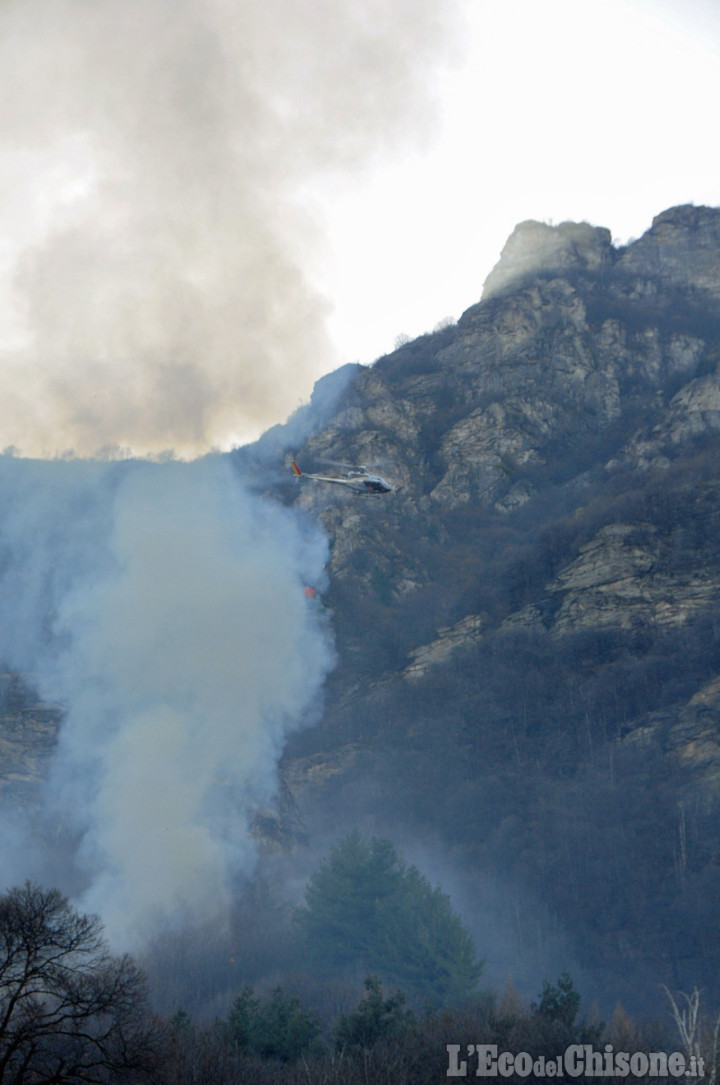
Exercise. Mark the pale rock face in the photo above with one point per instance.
(682, 247)
(693, 412)
(313, 772)
(482, 450)
(535, 246)
(617, 582)
(304, 779)
(690, 737)
(611, 558)
(528, 362)
(632, 601)
(517, 495)
(449, 640)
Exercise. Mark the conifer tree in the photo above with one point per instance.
(368, 912)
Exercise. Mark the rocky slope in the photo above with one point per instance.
(529, 626)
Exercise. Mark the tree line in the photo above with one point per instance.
(71, 1011)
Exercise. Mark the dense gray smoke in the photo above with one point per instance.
(156, 255)
(158, 235)
(162, 606)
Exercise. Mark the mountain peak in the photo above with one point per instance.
(687, 216)
(682, 247)
(535, 247)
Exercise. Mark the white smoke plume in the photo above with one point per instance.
(157, 161)
(162, 607)
(158, 235)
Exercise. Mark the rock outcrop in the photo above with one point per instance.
(682, 248)
(536, 247)
(622, 579)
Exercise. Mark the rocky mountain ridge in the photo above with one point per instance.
(539, 601)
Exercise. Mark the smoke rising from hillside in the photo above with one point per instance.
(162, 606)
(156, 268)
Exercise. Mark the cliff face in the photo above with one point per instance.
(529, 627)
(682, 249)
(583, 358)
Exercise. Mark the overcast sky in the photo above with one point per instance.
(207, 204)
(584, 110)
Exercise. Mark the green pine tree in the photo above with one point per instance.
(375, 1018)
(278, 1028)
(366, 911)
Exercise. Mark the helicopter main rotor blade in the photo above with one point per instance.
(345, 466)
(354, 466)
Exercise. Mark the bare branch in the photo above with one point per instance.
(69, 1010)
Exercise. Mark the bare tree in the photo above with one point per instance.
(700, 1035)
(69, 1011)
(686, 1012)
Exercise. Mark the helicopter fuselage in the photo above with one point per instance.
(358, 480)
(368, 484)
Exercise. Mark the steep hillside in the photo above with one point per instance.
(528, 628)
(526, 697)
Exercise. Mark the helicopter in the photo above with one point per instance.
(357, 478)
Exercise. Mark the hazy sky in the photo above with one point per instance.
(596, 110)
(207, 204)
